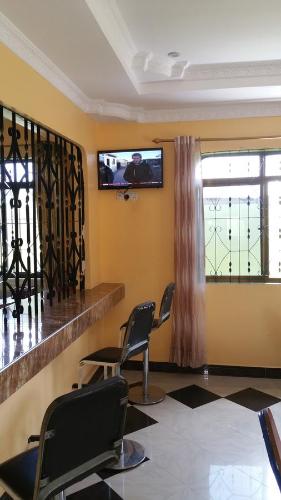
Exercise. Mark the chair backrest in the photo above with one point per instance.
(272, 442)
(81, 433)
(166, 303)
(138, 328)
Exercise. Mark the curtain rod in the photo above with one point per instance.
(218, 139)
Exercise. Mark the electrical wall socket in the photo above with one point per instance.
(122, 196)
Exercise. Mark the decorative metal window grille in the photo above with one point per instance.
(42, 214)
(242, 212)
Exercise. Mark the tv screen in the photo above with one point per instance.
(132, 168)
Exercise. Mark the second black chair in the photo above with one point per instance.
(135, 341)
(147, 394)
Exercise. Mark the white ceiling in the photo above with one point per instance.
(111, 56)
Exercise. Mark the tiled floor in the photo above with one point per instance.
(203, 442)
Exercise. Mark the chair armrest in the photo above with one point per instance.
(76, 386)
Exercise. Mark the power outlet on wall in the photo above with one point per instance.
(126, 196)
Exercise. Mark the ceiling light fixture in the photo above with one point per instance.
(173, 53)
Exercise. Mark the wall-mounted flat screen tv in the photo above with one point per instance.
(131, 168)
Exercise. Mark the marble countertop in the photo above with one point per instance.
(28, 345)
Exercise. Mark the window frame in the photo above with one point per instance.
(261, 180)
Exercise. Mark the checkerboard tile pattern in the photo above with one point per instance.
(196, 426)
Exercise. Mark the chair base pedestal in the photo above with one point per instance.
(154, 395)
(132, 454)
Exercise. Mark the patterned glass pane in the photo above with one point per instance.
(232, 230)
(274, 229)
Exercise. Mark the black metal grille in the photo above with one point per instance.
(42, 214)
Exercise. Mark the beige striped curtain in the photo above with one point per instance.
(188, 324)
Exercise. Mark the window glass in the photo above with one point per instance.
(232, 230)
(274, 228)
(16, 172)
(273, 164)
(229, 167)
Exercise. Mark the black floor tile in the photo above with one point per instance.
(98, 491)
(106, 473)
(136, 420)
(253, 399)
(193, 396)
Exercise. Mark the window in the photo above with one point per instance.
(242, 212)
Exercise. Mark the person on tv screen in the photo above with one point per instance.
(106, 174)
(137, 170)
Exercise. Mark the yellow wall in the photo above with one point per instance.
(136, 246)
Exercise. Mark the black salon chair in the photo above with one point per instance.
(80, 434)
(150, 394)
(272, 442)
(135, 341)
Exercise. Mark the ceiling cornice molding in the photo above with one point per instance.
(199, 112)
(18, 43)
(115, 110)
(234, 70)
(211, 111)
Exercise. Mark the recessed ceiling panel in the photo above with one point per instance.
(206, 31)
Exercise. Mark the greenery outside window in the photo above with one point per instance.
(242, 214)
